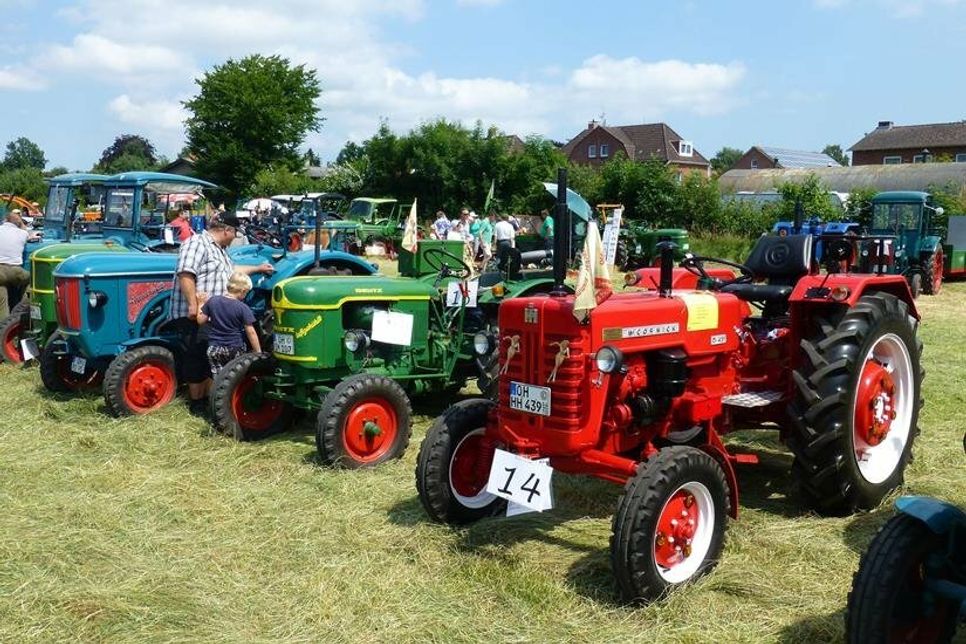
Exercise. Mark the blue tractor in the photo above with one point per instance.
(113, 319)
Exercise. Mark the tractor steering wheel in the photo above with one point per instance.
(695, 264)
(263, 236)
(439, 264)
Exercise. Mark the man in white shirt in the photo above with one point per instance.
(13, 278)
(505, 236)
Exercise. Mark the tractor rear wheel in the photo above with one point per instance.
(932, 273)
(855, 411)
(915, 284)
(59, 371)
(621, 258)
(889, 601)
(139, 381)
(11, 328)
(239, 407)
(453, 465)
(366, 420)
(670, 523)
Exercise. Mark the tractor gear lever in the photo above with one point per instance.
(666, 249)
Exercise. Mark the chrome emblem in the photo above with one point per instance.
(563, 352)
(530, 314)
(511, 351)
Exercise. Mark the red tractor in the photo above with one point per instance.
(641, 392)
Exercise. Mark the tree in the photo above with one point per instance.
(350, 152)
(251, 114)
(280, 180)
(24, 153)
(835, 151)
(312, 159)
(128, 152)
(24, 182)
(56, 170)
(725, 159)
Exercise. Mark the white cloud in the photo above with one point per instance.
(479, 3)
(19, 79)
(159, 114)
(98, 54)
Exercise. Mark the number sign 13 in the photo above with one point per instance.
(521, 481)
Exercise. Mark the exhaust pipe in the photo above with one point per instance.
(561, 236)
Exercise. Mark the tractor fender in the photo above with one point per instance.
(929, 245)
(716, 449)
(817, 289)
(940, 517)
(299, 263)
(168, 341)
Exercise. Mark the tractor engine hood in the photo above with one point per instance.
(60, 252)
(103, 264)
(330, 292)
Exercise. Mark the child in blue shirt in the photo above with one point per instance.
(230, 323)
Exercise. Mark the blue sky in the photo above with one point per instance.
(795, 73)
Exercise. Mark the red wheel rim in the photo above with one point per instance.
(875, 406)
(370, 430)
(469, 470)
(151, 384)
(251, 409)
(11, 344)
(937, 272)
(679, 521)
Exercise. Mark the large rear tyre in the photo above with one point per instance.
(670, 523)
(239, 407)
(366, 420)
(11, 329)
(454, 464)
(889, 601)
(621, 256)
(57, 368)
(932, 273)
(140, 381)
(855, 411)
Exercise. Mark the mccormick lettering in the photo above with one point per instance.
(641, 331)
(140, 293)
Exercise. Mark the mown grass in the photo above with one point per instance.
(152, 529)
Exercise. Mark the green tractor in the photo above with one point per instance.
(905, 238)
(637, 242)
(354, 351)
(380, 221)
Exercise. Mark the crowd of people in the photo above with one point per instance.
(488, 236)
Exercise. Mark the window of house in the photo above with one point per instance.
(604, 150)
(961, 157)
(892, 160)
(754, 164)
(591, 151)
(685, 149)
(922, 158)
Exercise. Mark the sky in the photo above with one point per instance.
(796, 74)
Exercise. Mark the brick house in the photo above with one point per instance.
(889, 143)
(599, 143)
(760, 157)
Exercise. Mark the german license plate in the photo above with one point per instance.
(284, 343)
(34, 312)
(530, 398)
(78, 365)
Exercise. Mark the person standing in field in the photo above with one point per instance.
(13, 278)
(546, 231)
(505, 240)
(231, 323)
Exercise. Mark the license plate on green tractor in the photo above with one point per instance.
(284, 343)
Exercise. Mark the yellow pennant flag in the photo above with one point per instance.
(410, 237)
(593, 280)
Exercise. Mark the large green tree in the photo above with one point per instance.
(725, 159)
(835, 151)
(24, 182)
(128, 152)
(250, 114)
(23, 153)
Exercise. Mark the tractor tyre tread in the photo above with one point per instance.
(222, 387)
(116, 374)
(12, 319)
(929, 275)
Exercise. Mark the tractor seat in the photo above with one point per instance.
(781, 262)
(489, 278)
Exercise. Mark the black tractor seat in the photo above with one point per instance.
(780, 262)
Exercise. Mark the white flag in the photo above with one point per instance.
(593, 281)
(409, 234)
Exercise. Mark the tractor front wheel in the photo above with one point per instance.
(366, 420)
(11, 328)
(139, 381)
(890, 601)
(915, 285)
(855, 410)
(932, 273)
(454, 464)
(62, 372)
(239, 407)
(670, 523)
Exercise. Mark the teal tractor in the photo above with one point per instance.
(354, 351)
(904, 238)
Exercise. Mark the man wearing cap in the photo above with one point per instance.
(203, 271)
(13, 237)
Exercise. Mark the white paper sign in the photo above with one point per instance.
(454, 293)
(392, 327)
(611, 233)
(29, 349)
(168, 235)
(521, 481)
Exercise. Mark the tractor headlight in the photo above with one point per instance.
(482, 343)
(96, 299)
(609, 359)
(355, 340)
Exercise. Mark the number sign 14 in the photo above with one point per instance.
(521, 481)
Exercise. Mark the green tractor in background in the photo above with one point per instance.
(380, 221)
(637, 242)
(354, 351)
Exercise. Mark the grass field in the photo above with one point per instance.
(153, 529)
